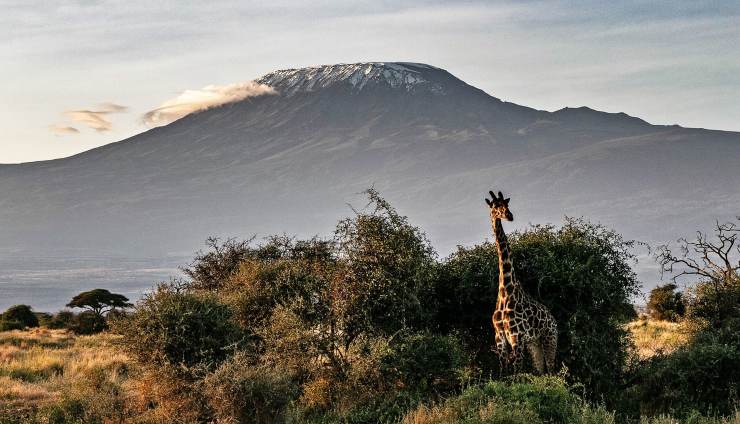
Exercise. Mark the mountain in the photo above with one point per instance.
(430, 143)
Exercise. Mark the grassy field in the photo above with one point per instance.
(652, 337)
(53, 376)
(41, 369)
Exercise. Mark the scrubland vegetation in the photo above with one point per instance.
(371, 326)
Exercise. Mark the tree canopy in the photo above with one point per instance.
(99, 301)
(22, 315)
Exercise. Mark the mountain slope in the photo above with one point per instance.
(429, 142)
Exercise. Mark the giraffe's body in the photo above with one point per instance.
(519, 321)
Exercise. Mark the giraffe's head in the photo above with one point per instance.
(499, 207)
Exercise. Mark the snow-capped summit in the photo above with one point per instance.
(408, 76)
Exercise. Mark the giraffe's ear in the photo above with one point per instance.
(488, 202)
(506, 201)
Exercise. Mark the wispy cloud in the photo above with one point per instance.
(96, 119)
(207, 97)
(63, 129)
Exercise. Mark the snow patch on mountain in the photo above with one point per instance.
(404, 75)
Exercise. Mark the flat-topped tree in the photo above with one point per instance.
(99, 301)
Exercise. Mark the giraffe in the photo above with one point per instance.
(519, 321)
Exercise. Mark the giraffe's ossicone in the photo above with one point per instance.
(520, 322)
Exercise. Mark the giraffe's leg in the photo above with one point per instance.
(550, 348)
(500, 350)
(516, 358)
(538, 356)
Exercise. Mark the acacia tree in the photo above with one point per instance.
(99, 301)
(713, 262)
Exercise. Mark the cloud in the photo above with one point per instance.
(96, 119)
(207, 97)
(62, 129)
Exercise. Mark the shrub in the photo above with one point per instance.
(21, 314)
(425, 363)
(715, 304)
(580, 271)
(182, 330)
(88, 322)
(665, 303)
(210, 270)
(243, 391)
(61, 320)
(525, 399)
(6, 325)
(387, 273)
(703, 375)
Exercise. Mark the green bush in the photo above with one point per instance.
(21, 314)
(244, 391)
(525, 399)
(714, 303)
(665, 303)
(88, 322)
(387, 271)
(703, 376)
(6, 325)
(182, 330)
(425, 363)
(61, 320)
(210, 269)
(580, 271)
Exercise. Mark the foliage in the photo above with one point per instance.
(9, 325)
(714, 304)
(702, 375)
(242, 391)
(88, 322)
(526, 399)
(210, 269)
(580, 271)
(712, 263)
(665, 303)
(425, 363)
(21, 314)
(387, 270)
(182, 330)
(99, 301)
(62, 319)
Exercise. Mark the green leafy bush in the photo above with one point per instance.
(665, 303)
(580, 271)
(704, 375)
(241, 390)
(525, 399)
(6, 325)
(183, 330)
(21, 314)
(425, 363)
(387, 270)
(62, 319)
(88, 322)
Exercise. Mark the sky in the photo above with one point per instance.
(78, 74)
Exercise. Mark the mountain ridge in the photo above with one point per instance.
(289, 163)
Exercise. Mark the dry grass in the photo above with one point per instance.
(652, 337)
(40, 366)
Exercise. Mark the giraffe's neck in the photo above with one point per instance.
(506, 283)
